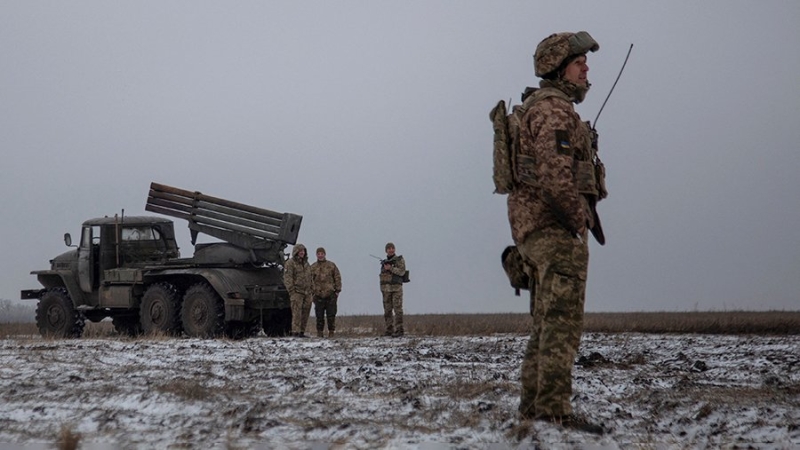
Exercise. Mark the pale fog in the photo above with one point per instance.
(370, 119)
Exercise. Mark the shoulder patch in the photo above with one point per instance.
(563, 146)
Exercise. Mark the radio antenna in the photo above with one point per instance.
(594, 124)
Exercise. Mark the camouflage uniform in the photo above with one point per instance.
(392, 290)
(297, 278)
(549, 212)
(326, 282)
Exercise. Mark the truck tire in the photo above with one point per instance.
(203, 312)
(160, 309)
(127, 325)
(56, 316)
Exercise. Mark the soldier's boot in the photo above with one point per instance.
(527, 410)
(320, 334)
(331, 333)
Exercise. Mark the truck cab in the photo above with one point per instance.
(109, 245)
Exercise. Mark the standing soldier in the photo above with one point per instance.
(326, 282)
(297, 278)
(559, 181)
(393, 270)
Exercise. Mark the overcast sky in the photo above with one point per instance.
(370, 119)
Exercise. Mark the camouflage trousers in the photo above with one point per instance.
(559, 263)
(325, 307)
(393, 311)
(301, 309)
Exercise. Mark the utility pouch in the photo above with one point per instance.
(526, 169)
(585, 177)
(514, 267)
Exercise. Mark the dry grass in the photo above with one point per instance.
(67, 440)
(185, 389)
(725, 322)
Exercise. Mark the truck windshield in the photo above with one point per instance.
(140, 234)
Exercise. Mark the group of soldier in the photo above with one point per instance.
(321, 282)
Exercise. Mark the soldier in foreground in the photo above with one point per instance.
(297, 278)
(550, 210)
(393, 269)
(326, 282)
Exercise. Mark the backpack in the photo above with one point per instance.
(506, 136)
(506, 147)
(504, 167)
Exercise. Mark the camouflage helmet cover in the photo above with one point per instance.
(554, 49)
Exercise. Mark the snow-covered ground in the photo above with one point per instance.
(652, 391)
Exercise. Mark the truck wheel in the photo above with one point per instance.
(56, 316)
(203, 313)
(127, 325)
(160, 309)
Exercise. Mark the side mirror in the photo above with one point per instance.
(68, 239)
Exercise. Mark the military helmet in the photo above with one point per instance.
(554, 49)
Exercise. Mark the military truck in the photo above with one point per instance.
(130, 269)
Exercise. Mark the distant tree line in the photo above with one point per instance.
(17, 312)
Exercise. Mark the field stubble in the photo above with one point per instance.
(723, 322)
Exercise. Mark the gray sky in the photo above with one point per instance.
(370, 119)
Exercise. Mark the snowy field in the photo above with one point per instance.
(649, 391)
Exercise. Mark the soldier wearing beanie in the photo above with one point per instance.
(326, 284)
(393, 270)
(559, 181)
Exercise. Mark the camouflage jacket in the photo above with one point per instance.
(325, 279)
(297, 273)
(392, 280)
(554, 165)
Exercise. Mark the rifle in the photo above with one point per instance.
(382, 260)
(406, 276)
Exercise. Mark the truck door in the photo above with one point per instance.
(88, 252)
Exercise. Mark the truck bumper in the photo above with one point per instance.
(31, 294)
(267, 297)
